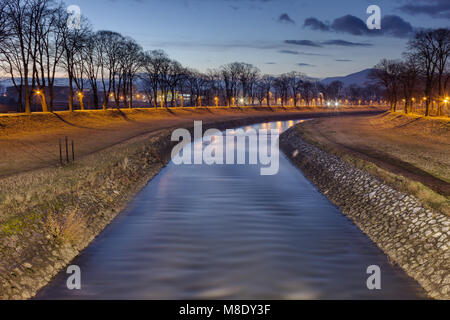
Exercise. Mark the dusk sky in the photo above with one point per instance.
(270, 34)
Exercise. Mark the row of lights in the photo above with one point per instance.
(241, 100)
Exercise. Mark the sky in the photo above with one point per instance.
(321, 38)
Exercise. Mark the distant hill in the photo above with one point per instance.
(358, 78)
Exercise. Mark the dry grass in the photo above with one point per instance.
(389, 144)
(31, 142)
(66, 228)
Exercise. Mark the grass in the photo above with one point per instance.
(66, 228)
(340, 138)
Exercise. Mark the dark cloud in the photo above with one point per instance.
(289, 52)
(391, 25)
(343, 60)
(316, 24)
(346, 43)
(302, 64)
(307, 43)
(271, 63)
(432, 8)
(335, 42)
(284, 18)
(350, 24)
(396, 26)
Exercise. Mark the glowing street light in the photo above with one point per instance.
(216, 99)
(80, 98)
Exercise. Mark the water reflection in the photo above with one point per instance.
(226, 232)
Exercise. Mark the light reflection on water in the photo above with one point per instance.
(226, 232)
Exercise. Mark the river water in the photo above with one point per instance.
(227, 232)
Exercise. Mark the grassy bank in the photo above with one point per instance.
(48, 215)
(410, 153)
(29, 142)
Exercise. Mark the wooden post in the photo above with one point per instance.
(60, 153)
(73, 152)
(67, 149)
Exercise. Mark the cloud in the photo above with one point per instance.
(289, 52)
(284, 18)
(336, 42)
(346, 43)
(302, 64)
(271, 63)
(391, 25)
(350, 24)
(432, 8)
(396, 26)
(316, 24)
(308, 43)
(342, 60)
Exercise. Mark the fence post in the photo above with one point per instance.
(67, 149)
(73, 152)
(60, 153)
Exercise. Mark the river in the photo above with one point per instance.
(227, 232)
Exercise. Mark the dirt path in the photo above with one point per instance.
(416, 148)
(31, 142)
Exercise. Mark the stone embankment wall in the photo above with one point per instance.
(80, 201)
(414, 237)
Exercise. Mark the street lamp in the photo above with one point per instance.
(216, 99)
(80, 98)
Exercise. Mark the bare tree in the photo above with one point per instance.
(155, 65)
(424, 48)
(21, 15)
(108, 50)
(90, 65)
(74, 41)
(409, 73)
(307, 91)
(281, 86)
(442, 46)
(387, 73)
(295, 83)
(130, 63)
(231, 77)
(264, 86)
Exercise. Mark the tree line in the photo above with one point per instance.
(421, 77)
(37, 44)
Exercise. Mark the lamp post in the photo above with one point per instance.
(216, 99)
(41, 94)
(80, 98)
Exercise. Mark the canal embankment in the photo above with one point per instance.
(49, 215)
(412, 235)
